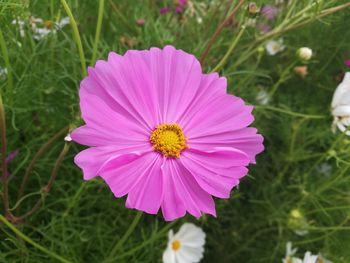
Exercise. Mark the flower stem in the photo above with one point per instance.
(291, 113)
(128, 232)
(98, 31)
(3, 158)
(148, 241)
(46, 189)
(43, 149)
(7, 63)
(76, 36)
(230, 50)
(30, 241)
(218, 31)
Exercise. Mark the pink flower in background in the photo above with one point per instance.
(178, 7)
(263, 28)
(163, 133)
(347, 63)
(164, 10)
(140, 22)
(269, 12)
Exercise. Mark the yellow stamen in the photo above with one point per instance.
(168, 139)
(175, 245)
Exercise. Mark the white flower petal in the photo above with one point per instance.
(309, 258)
(341, 111)
(180, 258)
(191, 239)
(194, 254)
(341, 95)
(191, 235)
(169, 256)
(64, 21)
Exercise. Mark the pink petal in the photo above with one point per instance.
(173, 205)
(147, 194)
(211, 87)
(92, 160)
(176, 76)
(122, 179)
(114, 86)
(222, 114)
(217, 171)
(247, 140)
(195, 199)
(99, 117)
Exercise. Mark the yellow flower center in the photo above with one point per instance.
(48, 24)
(168, 139)
(175, 245)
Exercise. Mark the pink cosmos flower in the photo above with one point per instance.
(163, 133)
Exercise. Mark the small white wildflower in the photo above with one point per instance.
(199, 20)
(308, 256)
(40, 33)
(20, 23)
(263, 97)
(304, 53)
(251, 22)
(274, 46)
(187, 245)
(68, 138)
(3, 73)
(324, 169)
(341, 105)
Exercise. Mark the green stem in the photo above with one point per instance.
(43, 150)
(98, 30)
(76, 36)
(30, 241)
(7, 63)
(3, 157)
(148, 241)
(283, 77)
(127, 234)
(292, 113)
(230, 50)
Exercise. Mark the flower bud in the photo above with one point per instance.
(253, 8)
(304, 53)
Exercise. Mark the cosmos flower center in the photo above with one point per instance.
(175, 245)
(48, 24)
(168, 139)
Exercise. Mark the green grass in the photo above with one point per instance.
(82, 221)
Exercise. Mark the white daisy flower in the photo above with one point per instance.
(308, 257)
(186, 246)
(274, 46)
(304, 53)
(341, 105)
